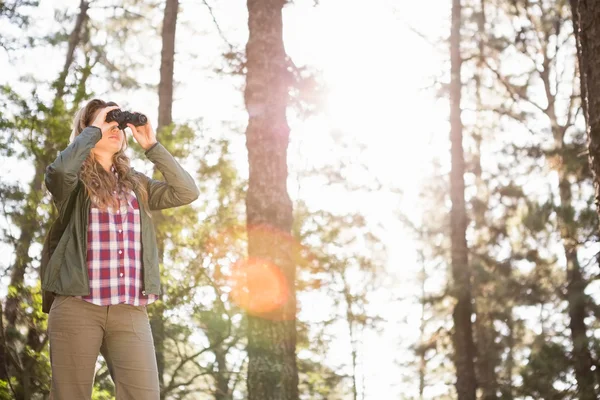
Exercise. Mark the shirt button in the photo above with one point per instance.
(121, 274)
(120, 251)
(120, 231)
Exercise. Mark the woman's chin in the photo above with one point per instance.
(116, 147)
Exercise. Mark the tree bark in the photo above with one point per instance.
(464, 349)
(167, 65)
(165, 118)
(582, 81)
(272, 370)
(586, 17)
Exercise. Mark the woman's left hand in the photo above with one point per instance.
(144, 135)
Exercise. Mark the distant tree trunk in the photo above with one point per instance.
(484, 305)
(167, 65)
(165, 118)
(576, 283)
(221, 376)
(353, 340)
(464, 349)
(422, 349)
(486, 360)
(219, 340)
(576, 297)
(510, 357)
(3, 349)
(272, 370)
(586, 18)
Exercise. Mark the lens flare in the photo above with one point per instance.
(258, 286)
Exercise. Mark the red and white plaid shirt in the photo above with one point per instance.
(114, 254)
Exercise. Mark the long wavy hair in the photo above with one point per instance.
(99, 183)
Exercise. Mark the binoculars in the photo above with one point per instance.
(126, 117)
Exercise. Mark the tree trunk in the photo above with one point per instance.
(3, 349)
(221, 375)
(576, 284)
(422, 326)
(272, 370)
(486, 361)
(353, 340)
(165, 118)
(510, 358)
(484, 305)
(586, 23)
(582, 358)
(464, 349)
(586, 17)
(582, 80)
(167, 65)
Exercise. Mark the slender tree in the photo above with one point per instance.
(272, 370)
(167, 65)
(464, 349)
(165, 119)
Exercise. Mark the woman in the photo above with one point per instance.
(100, 260)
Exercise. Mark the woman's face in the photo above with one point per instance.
(112, 140)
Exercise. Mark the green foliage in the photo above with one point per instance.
(546, 375)
(516, 219)
(317, 381)
(15, 13)
(5, 390)
(102, 395)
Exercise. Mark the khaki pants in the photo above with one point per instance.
(79, 330)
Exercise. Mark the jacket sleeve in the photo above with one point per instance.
(177, 189)
(61, 176)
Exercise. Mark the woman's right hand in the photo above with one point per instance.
(100, 120)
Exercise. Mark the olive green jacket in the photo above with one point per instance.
(63, 268)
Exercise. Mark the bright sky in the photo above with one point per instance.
(376, 69)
